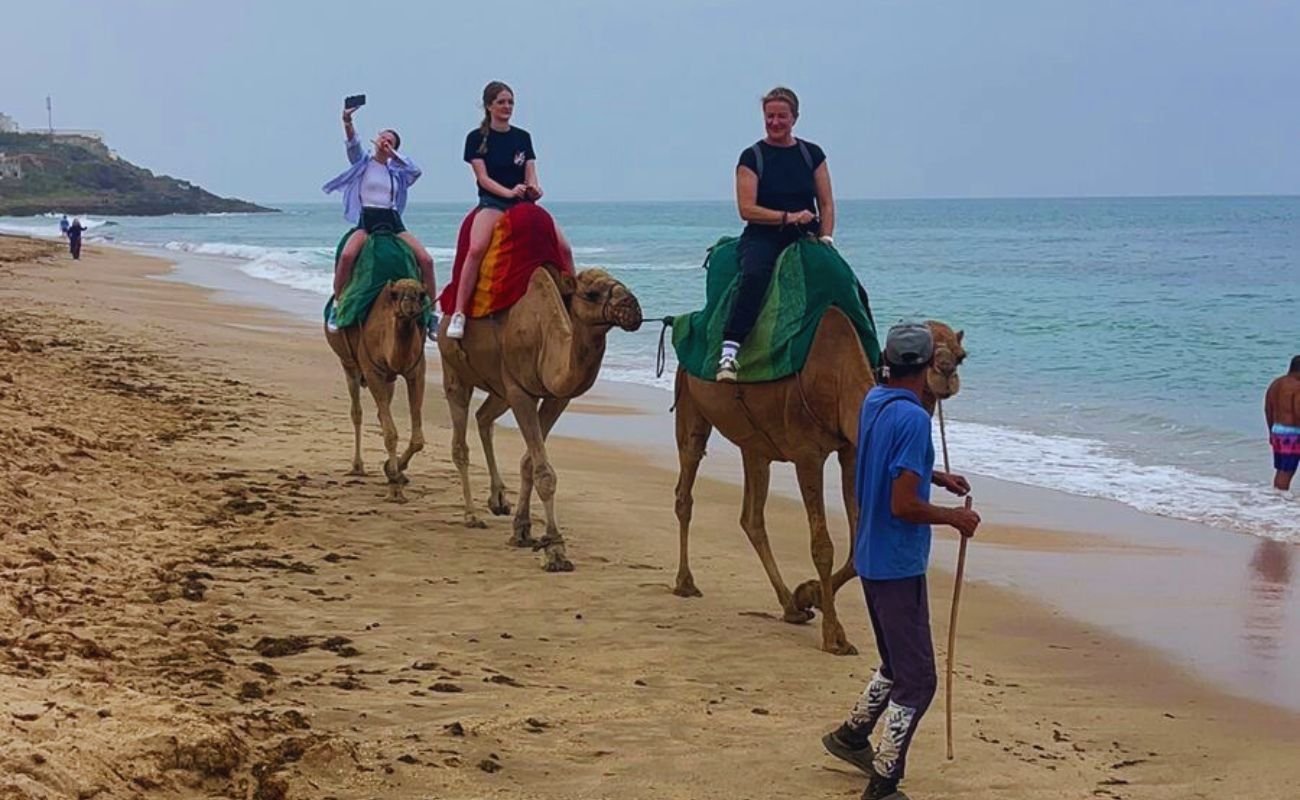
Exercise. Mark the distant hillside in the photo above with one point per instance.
(79, 175)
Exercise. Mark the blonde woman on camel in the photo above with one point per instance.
(505, 170)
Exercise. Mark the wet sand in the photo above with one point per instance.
(198, 602)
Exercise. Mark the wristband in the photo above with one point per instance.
(827, 240)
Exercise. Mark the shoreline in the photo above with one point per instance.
(1086, 686)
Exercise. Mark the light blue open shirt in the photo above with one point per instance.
(403, 171)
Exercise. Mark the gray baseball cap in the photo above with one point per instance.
(909, 343)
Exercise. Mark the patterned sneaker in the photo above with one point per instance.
(727, 369)
(456, 328)
(882, 788)
(850, 746)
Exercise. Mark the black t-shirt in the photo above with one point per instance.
(787, 181)
(505, 157)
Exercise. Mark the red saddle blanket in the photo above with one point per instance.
(522, 241)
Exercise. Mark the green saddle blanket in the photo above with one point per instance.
(810, 277)
(383, 258)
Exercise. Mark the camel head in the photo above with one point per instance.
(597, 299)
(942, 380)
(405, 297)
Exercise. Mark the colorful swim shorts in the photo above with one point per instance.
(1285, 440)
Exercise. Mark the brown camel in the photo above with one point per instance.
(531, 359)
(803, 419)
(388, 344)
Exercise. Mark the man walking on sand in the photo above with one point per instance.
(1282, 413)
(892, 550)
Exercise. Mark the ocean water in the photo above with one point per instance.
(1119, 348)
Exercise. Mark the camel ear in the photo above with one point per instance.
(567, 283)
(960, 335)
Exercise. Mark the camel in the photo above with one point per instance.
(531, 359)
(802, 419)
(389, 343)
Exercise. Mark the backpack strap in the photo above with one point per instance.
(758, 160)
(807, 155)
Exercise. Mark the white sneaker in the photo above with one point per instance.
(456, 328)
(727, 369)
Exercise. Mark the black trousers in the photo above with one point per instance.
(900, 619)
(74, 246)
(758, 251)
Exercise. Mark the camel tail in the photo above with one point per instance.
(661, 357)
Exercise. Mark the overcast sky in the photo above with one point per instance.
(655, 99)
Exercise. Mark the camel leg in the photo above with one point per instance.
(493, 407)
(354, 394)
(415, 399)
(809, 593)
(382, 391)
(459, 394)
(547, 414)
(758, 475)
(692, 435)
(848, 457)
(823, 556)
(542, 473)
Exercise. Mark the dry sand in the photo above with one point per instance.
(197, 603)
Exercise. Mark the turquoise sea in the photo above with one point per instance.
(1119, 348)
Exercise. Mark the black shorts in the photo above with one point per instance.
(381, 220)
(498, 203)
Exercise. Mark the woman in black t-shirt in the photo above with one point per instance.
(505, 169)
(783, 192)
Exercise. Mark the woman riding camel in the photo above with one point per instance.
(374, 197)
(783, 192)
(505, 170)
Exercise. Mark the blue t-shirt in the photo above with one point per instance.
(893, 435)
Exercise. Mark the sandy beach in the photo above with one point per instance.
(198, 603)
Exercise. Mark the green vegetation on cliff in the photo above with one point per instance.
(79, 175)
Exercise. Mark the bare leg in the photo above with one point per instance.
(543, 475)
(488, 413)
(425, 262)
(1282, 480)
(459, 394)
(565, 249)
(383, 393)
(415, 399)
(692, 435)
(547, 414)
(480, 238)
(758, 475)
(343, 269)
(823, 556)
(354, 394)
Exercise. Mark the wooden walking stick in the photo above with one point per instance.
(956, 592)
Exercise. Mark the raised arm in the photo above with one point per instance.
(825, 200)
(353, 145)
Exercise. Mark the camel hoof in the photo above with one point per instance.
(797, 616)
(558, 564)
(474, 523)
(357, 471)
(523, 541)
(686, 588)
(808, 596)
(499, 506)
(841, 649)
